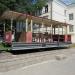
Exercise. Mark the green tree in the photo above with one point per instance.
(6, 5)
(37, 6)
(24, 6)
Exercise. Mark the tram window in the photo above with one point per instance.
(20, 26)
(24, 26)
(17, 27)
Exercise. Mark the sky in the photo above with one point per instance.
(68, 1)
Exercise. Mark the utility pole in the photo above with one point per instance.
(51, 10)
(51, 17)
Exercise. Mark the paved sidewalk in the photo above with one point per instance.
(13, 62)
(50, 67)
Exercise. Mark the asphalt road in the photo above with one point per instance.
(63, 66)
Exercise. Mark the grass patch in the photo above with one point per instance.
(4, 48)
(72, 46)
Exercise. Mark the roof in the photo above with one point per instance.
(20, 16)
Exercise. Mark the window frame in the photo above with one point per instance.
(46, 9)
(71, 28)
(71, 16)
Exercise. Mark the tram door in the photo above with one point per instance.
(20, 31)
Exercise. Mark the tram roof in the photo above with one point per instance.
(20, 16)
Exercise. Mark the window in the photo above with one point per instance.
(71, 16)
(71, 28)
(46, 8)
(20, 26)
(38, 13)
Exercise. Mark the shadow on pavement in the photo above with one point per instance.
(17, 52)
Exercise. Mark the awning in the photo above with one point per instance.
(20, 16)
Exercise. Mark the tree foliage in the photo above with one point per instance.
(24, 6)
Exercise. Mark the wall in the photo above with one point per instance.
(71, 9)
(59, 11)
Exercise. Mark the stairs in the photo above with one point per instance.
(26, 46)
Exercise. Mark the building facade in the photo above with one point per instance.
(57, 10)
(71, 20)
